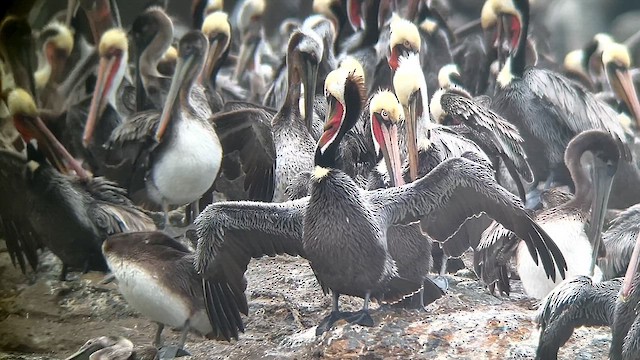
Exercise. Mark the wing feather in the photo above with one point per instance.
(231, 233)
(462, 188)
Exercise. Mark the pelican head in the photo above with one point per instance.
(217, 29)
(345, 93)
(167, 63)
(575, 62)
(449, 76)
(616, 62)
(250, 15)
(404, 39)
(385, 113)
(510, 16)
(104, 347)
(606, 156)
(27, 121)
(192, 49)
(304, 53)
(57, 42)
(352, 64)
(113, 50)
(411, 89)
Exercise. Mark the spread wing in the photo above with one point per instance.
(230, 234)
(458, 189)
(248, 132)
(504, 135)
(573, 303)
(17, 202)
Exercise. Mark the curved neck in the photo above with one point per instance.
(519, 57)
(584, 187)
(153, 52)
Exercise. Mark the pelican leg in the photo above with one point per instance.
(335, 315)
(63, 273)
(165, 208)
(157, 342)
(171, 352)
(361, 317)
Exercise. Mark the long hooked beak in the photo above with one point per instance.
(354, 13)
(106, 73)
(179, 80)
(247, 53)
(602, 181)
(632, 269)
(72, 9)
(308, 77)
(215, 49)
(386, 134)
(55, 151)
(100, 17)
(623, 86)
(411, 113)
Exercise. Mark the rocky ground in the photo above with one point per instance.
(43, 318)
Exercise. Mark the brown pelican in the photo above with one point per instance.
(575, 225)
(576, 302)
(156, 277)
(217, 29)
(152, 33)
(619, 240)
(616, 62)
(118, 348)
(274, 150)
(342, 229)
(70, 216)
(453, 105)
(548, 109)
(625, 329)
(575, 67)
(433, 144)
(113, 51)
(57, 44)
(201, 8)
(175, 155)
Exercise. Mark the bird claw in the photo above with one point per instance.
(327, 322)
(441, 282)
(171, 352)
(361, 317)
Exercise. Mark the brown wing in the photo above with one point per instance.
(22, 241)
(247, 144)
(229, 235)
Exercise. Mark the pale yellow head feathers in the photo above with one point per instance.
(352, 64)
(429, 25)
(323, 7)
(444, 75)
(170, 55)
(408, 78)
(386, 104)
(20, 102)
(504, 7)
(602, 40)
(334, 84)
(573, 61)
(404, 32)
(216, 23)
(63, 38)
(112, 39)
(616, 53)
(488, 17)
